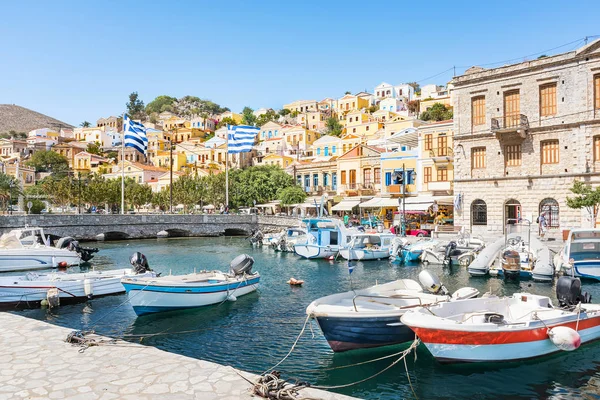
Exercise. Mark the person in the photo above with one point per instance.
(393, 230)
(543, 224)
(346, 219)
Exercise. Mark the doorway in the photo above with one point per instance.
(512, 212)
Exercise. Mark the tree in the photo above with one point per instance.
(135, 107)
(415, 86)
(161, 104)
(294, 113)
(85, 124)
(62, 192)
(347, 92)
(248, 117)
(586, 198)
(9, 188)
(291, 195)
(333, 127)
(49, 161)
(413, 106)
(270, 115)
(437, 112)
(284, 112)
(94, 148)
(226, 121)
(373, 108)
(138, 194)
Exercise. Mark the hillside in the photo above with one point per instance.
(22, 119)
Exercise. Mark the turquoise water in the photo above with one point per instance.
(257, 330)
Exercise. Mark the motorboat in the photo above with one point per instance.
(517, 255)
(33, 288)
(398, 243)
(368, 246)
(494, 329)
(175, 292)
(324, 238)
(257, 238)
(412, 252)
(371, 317)
(455, 252)
(580, 255)
(28, 248)
(288, 239)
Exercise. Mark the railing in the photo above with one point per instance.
(510, 123)
(410, 188)
(441, 152)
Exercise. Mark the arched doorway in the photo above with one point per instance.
(550, 208)
(512, 212)
(478, 212)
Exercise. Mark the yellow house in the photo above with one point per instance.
(359, 171)
(427, 103)
(234, 116)
(69, 150)
(26, 175)
(184, 134)
(356, 117)
(315, 177)
(163, 157)
(399, 125)
(277, 159)
(301, 106)
(87, 162)
(270, 130)
(299, 140)
(437, 157)
(350, 141)
(313, 120)
(350, 102)
(175, 122)
(365, 129)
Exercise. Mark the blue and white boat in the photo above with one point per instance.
(324, 238)
(175, 292)
(581, 254)
(411, 252)
(368, 246)
(371, 317)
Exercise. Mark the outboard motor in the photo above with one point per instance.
(241, 265)
(432, 283)
(449, 253)
(64, 242)
(568, 292)
(139, 263)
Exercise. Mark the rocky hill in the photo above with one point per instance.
(20, 119)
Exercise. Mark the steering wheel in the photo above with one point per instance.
(513, 241)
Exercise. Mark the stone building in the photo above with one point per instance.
(523, 134)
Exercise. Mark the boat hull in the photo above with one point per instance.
(314, 251)
(148, 299)
(345, 334)
(29, 259)
(362, 255)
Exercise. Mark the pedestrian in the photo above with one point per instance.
(346, 219)
(543, 223)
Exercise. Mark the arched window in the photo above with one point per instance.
(550, 208)
(478, 212)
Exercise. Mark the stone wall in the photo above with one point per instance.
(88, 226)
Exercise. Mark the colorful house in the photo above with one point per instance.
(351, 102)
(276, 159)
(437, 158)
(359, 171)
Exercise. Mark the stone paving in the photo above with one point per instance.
(37, 363)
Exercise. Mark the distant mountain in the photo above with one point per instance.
(20, 119)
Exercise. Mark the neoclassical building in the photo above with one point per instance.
(523, 134)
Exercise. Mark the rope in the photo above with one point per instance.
(78, 338)
(293, 346)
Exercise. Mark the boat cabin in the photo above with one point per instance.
(326, 232)
(371, 241)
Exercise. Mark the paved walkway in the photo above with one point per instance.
(36, 363)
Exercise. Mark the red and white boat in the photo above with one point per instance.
(491, 329)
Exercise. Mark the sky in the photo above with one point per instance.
(79, 60)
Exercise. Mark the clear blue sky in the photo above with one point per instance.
(79, 60)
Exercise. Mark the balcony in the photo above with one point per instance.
(511, 123)
(441, 154)
(439, 186)
(397, 189)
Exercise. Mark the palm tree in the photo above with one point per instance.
(85, 124)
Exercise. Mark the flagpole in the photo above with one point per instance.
(123, 172)
(227, 167)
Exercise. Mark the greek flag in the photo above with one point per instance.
(241, 138)
(135, 135)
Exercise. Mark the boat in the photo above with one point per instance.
(257, 238)
(371, 317)
(498, 329)
(176, 292)
(455, 252)
(324, 238)
(368, 246)
(580, 255)
(396, 249)
(28, 249)
(33, 288)
(288, 239)
(412, 252)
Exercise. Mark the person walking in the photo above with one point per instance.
(346, 219)
(543, 224)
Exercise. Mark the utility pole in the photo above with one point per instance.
(79, 192)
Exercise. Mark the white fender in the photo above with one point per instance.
(565, 338)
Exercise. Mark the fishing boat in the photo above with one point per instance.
(28, 248)
(33, 288)
(494, 329)
(580, 255)
(288, 239)
(371, 317)
(368, 246)
(412, 252)
(175, 292)
(324, 238)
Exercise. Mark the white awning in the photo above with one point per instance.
(372, 203)
(380, 202)
(345, 205)
(422, 203)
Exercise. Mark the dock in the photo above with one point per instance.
(37, 363)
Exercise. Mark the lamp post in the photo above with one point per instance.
(79, 192)
(10, 210)
(171, 175)
(404, 178)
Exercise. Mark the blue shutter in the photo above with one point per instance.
(388, 178)
(315, 179)
(319, 152)
(334, 181)
(333, 150)
(326, 151)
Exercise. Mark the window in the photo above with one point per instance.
(326, 151)
(442, 142)
(343, 177)
(596, 148)
(334, 180)
(478, 212)
(550, 152)
(315, 180)
(325, 178)
(442, 174)
(367, 176)
(478, 110)
(377, 173)
(353, 130)
(597, 91)
(478, 158)
(426, 174)
(333, 150)
(548, 99)
(549, 207)
(428, 142)
(367, 127)
(512, 108)
(319, 151)
(388, 178)
(513, 155)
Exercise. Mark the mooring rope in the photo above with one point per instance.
(293, 346)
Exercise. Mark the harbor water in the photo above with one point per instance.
(256, 331)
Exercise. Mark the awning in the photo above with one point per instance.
(422, 203)
(346, 205)
(380, 202)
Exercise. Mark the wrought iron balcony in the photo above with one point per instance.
(510, 123)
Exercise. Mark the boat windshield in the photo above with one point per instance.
(580, 251)
(295, 232)
(585, 235)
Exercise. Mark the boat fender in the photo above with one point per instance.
(231, 298)
(565, 338)
(88, 287)
(53, 297)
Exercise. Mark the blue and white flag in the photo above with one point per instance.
(135, 135)
(350, 267)
(241, 138)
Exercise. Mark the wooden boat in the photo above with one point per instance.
(581, 254)
(175, 292)
(491, 329)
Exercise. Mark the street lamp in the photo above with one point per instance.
(10, 210)
(404, 178)
(79, 192)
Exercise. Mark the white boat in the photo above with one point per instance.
(175, 292)
(492, 329)
(324, 238)
(28, 248)
(371, 317)
(287, 239)
(581, 254)
(368, 246)
(412, 252)
(455, 252)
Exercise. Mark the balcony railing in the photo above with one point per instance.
(441, 152)
(510, 123)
